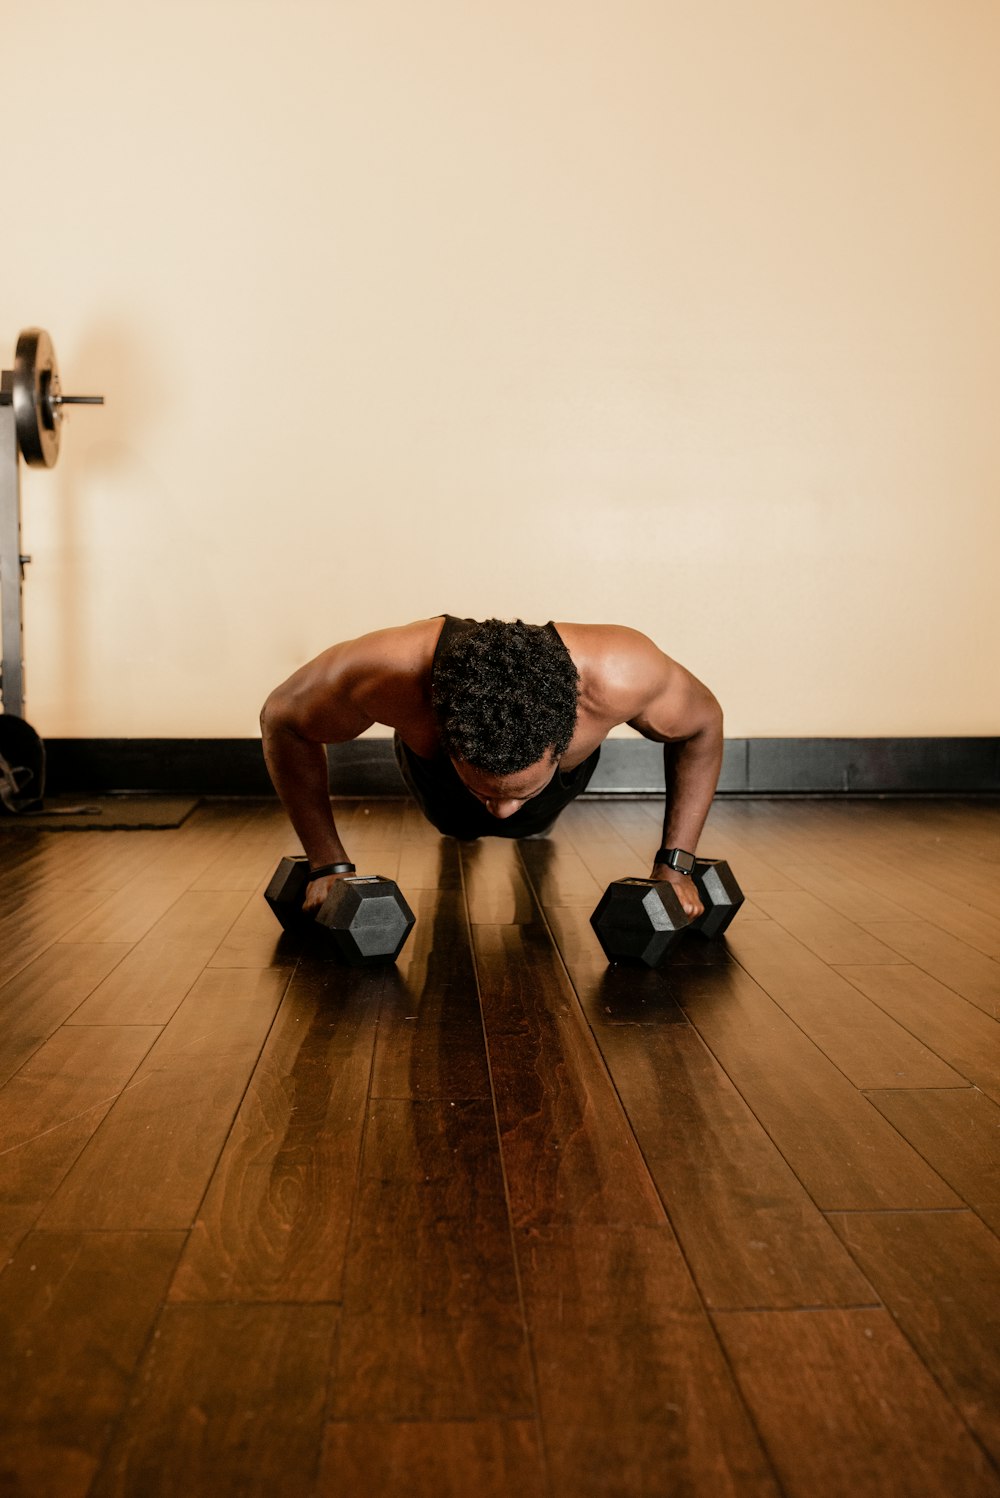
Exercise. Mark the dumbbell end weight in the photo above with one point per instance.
(286, 892)
(364, 919)
(638, 921)
(720, 895)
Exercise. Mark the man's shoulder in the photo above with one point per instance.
(609, 640)
(397, 647)
(619, 666)
(612, 652)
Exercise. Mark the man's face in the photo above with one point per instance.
(503, 795)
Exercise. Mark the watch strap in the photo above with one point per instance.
(331, 868)
(676, 858)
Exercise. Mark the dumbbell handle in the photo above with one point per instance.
(75, 400)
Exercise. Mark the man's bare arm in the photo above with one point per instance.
(679, 711)
(318, 705)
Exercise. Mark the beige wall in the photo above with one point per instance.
(679, 315)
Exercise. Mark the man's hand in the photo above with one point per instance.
(684, 886)
(317, 891)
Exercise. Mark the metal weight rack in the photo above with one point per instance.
(31, 414)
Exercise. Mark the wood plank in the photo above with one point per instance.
(604, 853)
(831, 936)
(939, 1275)
(432, 863)
(431, 1212)
(432, 1248)
(702, 1445)
(558, 875)
(28, 929)
(45, 993)
(256, 939)
(974, 822)
(147, 986)
(274, 1223)
(958, 1133)
(850, 897)
(912, 839)
(186, 852)
(258, 847)
(496, 890)
(413, 1367)
(430, 1034)
(970, 881)
(866, 1044)
(228, 1401)
(751, 1233)
(569, 1154)
(130, 913)
(634, 1392)
(954, 1029)
(380, 819)
(431, 1325)
(50, 1110)
(838, 1146)
(945, 957)
(584, 824)
(847, 1409)
(635, 1395)
(75, 1312)
(926, 880)
(637, 821)
(590, 1276)
(733, 831)
(149, 1163)
(70, 862)
(435, 1331)
(433, 1459)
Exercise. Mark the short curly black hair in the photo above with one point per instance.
(504, 694)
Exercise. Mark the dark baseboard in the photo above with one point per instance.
(751, 767)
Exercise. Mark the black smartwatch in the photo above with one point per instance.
(676, 858)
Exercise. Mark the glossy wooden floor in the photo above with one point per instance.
(502, 1221)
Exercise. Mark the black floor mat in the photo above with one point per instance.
(103, 814)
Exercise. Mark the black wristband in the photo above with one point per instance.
(331, 868)
(677, 859)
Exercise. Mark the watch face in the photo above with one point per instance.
(682, 862)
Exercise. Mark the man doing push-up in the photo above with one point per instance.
(497, 727)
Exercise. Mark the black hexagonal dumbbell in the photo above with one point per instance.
(364, 919)
(639, 920)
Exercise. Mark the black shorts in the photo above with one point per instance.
(454, 810)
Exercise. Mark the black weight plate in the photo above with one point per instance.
(720, 895)
(36, 377)
(638, 920)
(287, 890)
(22, 765)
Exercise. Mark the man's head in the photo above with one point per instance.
(505, 697)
